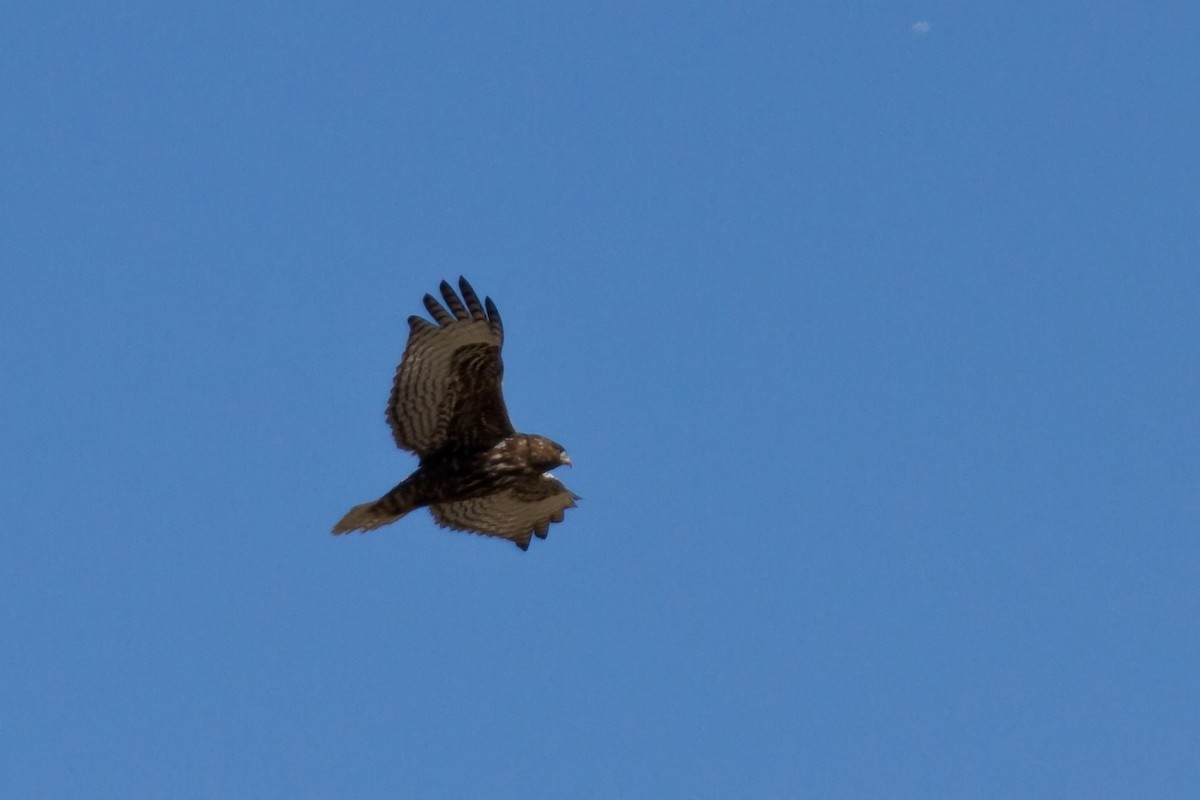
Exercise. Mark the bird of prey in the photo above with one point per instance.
(476, 473)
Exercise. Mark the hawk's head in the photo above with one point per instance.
(545, 454)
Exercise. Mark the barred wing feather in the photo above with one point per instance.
(517, 513)
(447, 388)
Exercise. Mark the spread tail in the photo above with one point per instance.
(384, 511)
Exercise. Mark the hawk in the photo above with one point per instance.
(476, 473)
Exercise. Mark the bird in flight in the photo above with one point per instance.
(476, 473)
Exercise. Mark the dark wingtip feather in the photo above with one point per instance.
(439, 314)
(494, 321)
(456, 305)
(472, 300)
(523, 545)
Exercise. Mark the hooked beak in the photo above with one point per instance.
(566, 460)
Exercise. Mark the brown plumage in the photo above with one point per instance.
(476, 472)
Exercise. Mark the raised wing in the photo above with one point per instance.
(447, 387)
(517, 513)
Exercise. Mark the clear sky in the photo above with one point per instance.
(872, 330)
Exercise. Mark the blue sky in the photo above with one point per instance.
(875, 348)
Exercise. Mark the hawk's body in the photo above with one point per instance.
(476, 472)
